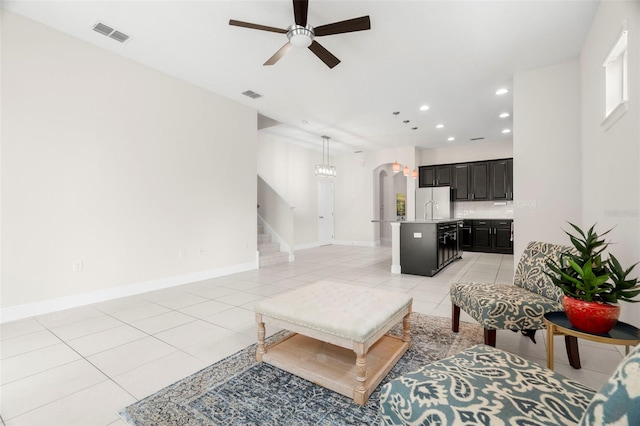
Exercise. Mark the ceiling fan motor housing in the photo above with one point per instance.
(300, 36)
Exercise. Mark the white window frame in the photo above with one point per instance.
(616, 79)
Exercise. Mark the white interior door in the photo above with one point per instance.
(325, 212)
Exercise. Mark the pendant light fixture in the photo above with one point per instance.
(414, 173)
(406, 170)
(325, 169)
(396, 165)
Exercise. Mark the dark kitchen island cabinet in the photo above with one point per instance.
(428, 247)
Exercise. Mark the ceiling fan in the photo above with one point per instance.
(302, 35)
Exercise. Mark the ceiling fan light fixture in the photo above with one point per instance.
(300, 36)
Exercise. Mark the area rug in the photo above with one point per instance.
(240, 391)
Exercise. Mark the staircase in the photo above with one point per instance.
(270, 253)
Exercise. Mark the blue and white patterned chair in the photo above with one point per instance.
(519, 306)
(487, 386)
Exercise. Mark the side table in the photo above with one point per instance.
(558, 323)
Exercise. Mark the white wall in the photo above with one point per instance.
(611, 176)
(467, 152)
(289, 170)
(112, 163)
(547, 154)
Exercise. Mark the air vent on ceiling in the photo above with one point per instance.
(252, 94)
(110, 32)
(476, 139)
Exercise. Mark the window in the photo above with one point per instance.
(617, 93)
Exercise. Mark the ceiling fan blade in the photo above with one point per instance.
(300, 9)
(324, 55)
(350, 25)
(256, 26)
(279, 54)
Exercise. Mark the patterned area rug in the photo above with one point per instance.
(239, 391)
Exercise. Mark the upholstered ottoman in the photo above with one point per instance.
(331, 321)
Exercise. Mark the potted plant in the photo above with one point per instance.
(592, 284)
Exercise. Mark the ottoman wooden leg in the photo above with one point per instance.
(406, 328)
(359, 394)
(261, 332)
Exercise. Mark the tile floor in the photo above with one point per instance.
(81, 365)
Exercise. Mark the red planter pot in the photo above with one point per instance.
(592, 317)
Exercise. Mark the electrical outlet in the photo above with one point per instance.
(77, 265)
(182, 253)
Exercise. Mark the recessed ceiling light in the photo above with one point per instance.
(451, 139)
(439, 126)
(506, 131)
(424, 107)
(504, 115)
(502, 91)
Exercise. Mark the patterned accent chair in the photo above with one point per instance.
(519, 306)
(487, 386)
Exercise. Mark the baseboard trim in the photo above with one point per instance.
(14, 313)
(355, 243)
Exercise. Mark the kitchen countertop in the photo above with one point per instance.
(418, 221)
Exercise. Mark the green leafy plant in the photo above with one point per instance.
(582, 273)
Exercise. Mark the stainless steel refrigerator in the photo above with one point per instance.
(434, 203)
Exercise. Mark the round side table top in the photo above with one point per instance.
(621, 331)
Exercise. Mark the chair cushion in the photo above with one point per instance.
(503, 306)
(530, 274)
(618, 402)
(483, 385)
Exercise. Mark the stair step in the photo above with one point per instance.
(260, 229)
(264, 238)
(273, 258)
(268, 247)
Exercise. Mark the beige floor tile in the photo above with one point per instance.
(181, 301)
(131, 355)
(56, 319)
(213, 292)
(47, 387)
(191, 333)
(232, 318)
(104, 340)
(238, 299)
(85, 327)
(96, 405)
(162, 322)
(34, 362)
(26, 343)
(19, 328)
(205, 309)
(211, 350)
(147, 310)
(159, 373)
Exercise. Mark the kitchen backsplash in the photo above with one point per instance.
(483, 209)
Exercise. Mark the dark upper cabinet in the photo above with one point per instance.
(461, 182)
(479, 181)
(427, 176)
(443, 175)
(475, 181)
(435, 176)
(501, 179)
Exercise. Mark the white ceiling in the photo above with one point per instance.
(450, 55)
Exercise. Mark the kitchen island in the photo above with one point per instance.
(424, 247)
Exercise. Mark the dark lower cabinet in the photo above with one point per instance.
(466, 235)
(491, 236)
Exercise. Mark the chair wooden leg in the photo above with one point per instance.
(490, 337)
(455, 318)
(571, 342)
